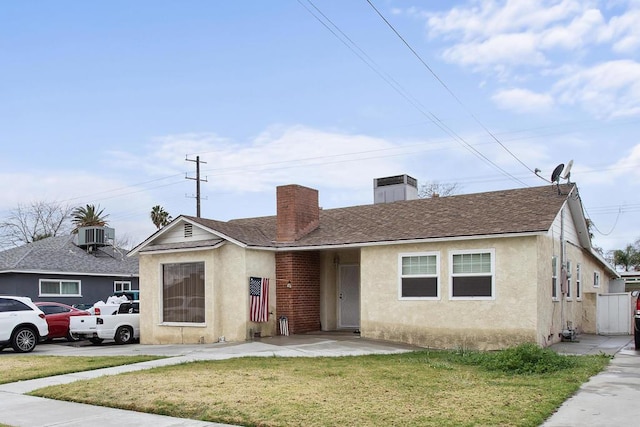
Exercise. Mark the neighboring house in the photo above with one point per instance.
(482, 271)
(64, 270)
(631, 280)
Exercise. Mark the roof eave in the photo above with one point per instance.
(69, 273)
(396, 242)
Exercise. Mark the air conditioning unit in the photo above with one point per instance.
(394, 188)
(95, 236)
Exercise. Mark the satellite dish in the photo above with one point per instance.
(555, 176)
(567, 170)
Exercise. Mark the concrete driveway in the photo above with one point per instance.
(611, 398)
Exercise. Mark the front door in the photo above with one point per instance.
(349, 296)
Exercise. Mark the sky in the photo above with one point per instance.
(110, 103)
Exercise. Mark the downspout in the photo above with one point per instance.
(562, 271)
(568, 333)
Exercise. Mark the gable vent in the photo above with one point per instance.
(188, 230)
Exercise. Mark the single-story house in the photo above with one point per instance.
(72, 269)
(482, 271)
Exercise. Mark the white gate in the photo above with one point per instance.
(614, 314)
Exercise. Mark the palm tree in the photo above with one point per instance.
(160, 217)
(88, 216)
(629, 257)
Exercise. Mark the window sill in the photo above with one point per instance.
(59, 296)
(183, 324)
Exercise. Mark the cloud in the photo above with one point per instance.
(278, 155)
(628, 165)
(500, 52)
(625, 32)
(488, 18)
(513, 33)
(607, 90)
(523, 101)
(568, 49)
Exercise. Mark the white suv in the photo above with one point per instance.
(22, 324)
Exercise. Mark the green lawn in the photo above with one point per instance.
(19, 368)
(424, 388)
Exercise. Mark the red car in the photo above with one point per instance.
(57, 316)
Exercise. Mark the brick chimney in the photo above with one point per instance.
(298, 212)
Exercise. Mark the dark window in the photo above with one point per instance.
(472, 275)
(420, 287)
(472, 286)
(52, 309)
(13, 305)
(554, 277)
(183, 292)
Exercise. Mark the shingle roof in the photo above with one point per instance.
(59, 253)
(526, 210)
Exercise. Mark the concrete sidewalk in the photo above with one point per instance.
(611, 398)
(608, 399)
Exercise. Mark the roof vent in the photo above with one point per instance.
(188, 230)
(394, 188)
(95, 236)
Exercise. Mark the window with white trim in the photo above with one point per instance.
(578, 281)
(183, 292)
(59, 288)
(554, 277)
(569, 295)
(123, 286)
(419, 276)
(472, 274)
(596, 279)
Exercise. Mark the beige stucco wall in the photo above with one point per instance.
(565, 313)
(508, 319)
(227, 270)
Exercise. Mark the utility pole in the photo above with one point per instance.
(197, 180)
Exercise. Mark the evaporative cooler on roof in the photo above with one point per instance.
(394, 188)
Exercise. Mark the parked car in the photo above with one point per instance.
(22, 324)
(123, 326)
(57, 316)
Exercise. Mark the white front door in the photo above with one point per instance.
(349, 296)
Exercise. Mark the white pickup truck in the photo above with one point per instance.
(123, 326)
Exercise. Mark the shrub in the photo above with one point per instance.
(526, 358)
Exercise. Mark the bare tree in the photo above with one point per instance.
(37, 221)
(436, 189)
(126, 242)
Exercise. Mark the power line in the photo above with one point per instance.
(447, 87)
(400, 90)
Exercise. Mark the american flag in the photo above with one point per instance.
(259, 295)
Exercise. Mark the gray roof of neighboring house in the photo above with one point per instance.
(525, 210)
(60, 254)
